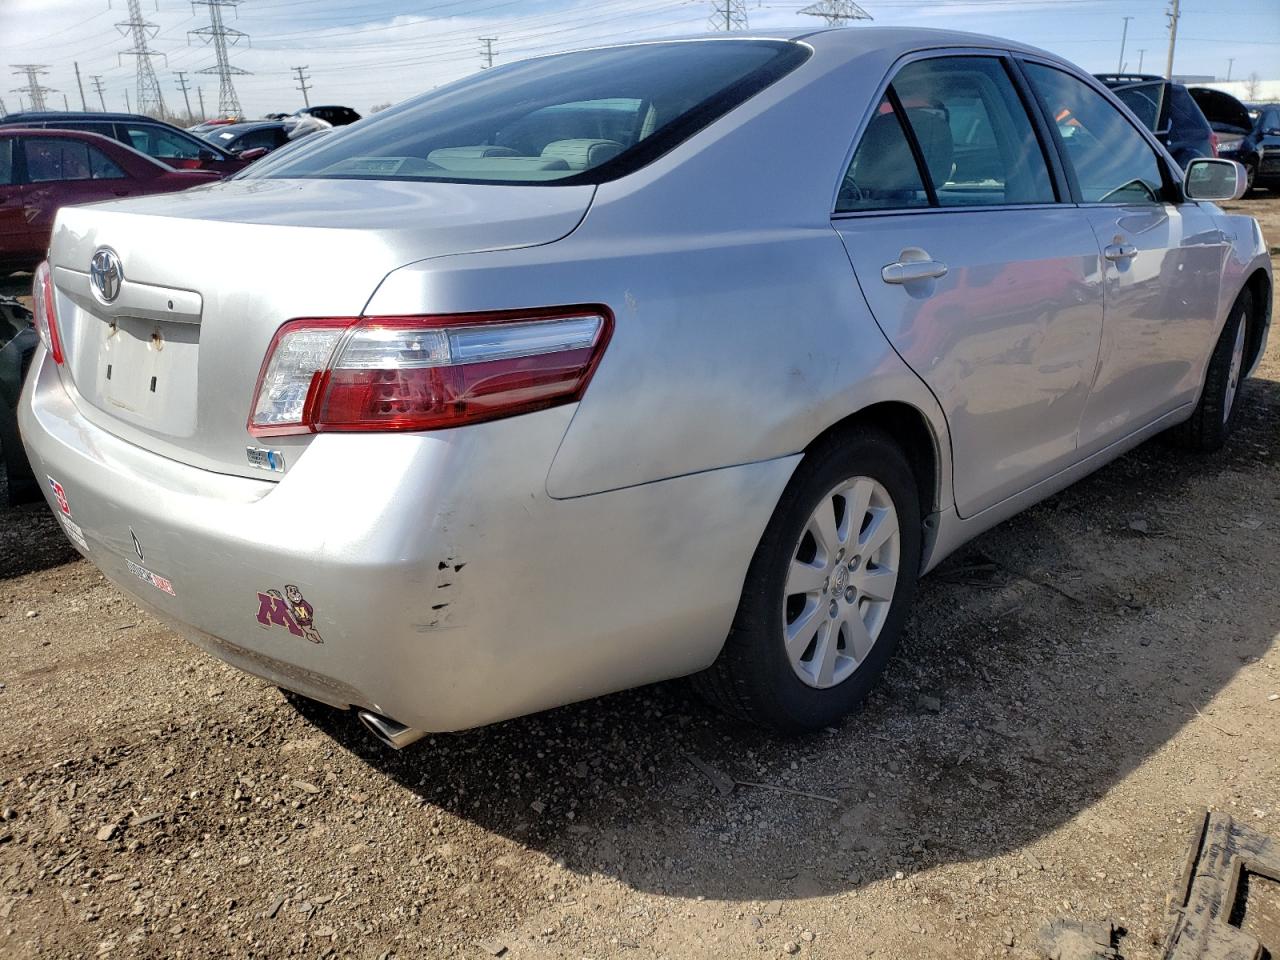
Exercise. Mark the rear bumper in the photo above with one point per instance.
(440, 585)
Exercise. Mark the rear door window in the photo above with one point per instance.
(961, 123)
(52, 158)
(976, 140)
(1111, 160)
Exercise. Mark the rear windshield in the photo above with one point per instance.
(579, 117)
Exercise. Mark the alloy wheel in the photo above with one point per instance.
(1233, 376)
(841, 581)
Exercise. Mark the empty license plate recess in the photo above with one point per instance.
(146, 373)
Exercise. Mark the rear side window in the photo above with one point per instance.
(8, 175)
(976, 140)
(1112, 161)
(1145, 100)
(580, 117)
(964, 119)
(50, 159)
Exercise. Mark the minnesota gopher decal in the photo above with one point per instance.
(289, 610)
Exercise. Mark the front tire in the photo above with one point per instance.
(828, 589)
(1219, 407)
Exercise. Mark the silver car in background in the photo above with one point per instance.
(609, 367)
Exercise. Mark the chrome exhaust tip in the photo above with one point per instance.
(395, 735)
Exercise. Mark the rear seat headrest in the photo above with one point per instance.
(583, 153)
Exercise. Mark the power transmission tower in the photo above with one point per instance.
(182, 83)
(150, 99)
(218, 34)
(487, 51)
(728, 15)
(97, 85)
(3, 109)
(84, 104)
(1174, 13)
(34, 90)
(302, 83)
(1124, 35)
(836, 12)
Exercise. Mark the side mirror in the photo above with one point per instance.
(1273, 132)
(253, 153)
(1213, 179)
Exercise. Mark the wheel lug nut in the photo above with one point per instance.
(826, 585)
(854, 561)
(834, 608)
(849, 595)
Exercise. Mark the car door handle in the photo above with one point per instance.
(1119, 251)
(906, 272)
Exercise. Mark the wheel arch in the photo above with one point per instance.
(1259, 286)
(911, 428)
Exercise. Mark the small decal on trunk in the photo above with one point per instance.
(146, 576)
(289, 610)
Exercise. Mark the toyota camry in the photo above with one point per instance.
(614, 366)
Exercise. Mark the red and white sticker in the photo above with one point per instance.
(61, 496)
(146, 576)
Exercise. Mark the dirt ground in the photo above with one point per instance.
(1075, 688)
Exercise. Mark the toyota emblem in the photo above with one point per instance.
(106, 273)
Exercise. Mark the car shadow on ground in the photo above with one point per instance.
(1045, 661)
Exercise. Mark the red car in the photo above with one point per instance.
(42, 170)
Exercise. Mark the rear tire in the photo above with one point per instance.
(828, 589)
(1219, 407)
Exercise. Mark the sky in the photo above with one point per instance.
(365, 53)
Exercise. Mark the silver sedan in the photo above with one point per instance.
(632, 363)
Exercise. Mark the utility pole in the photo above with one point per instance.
(84, 104)
(66, 104)
(836, 12)
(1124, 35)
(1230, 62)
(729, 15)
(34, 90)
(1141, 53)
(200, 97)
(1173, 15)
(127, 107)
(150, 99)
(97, 85)
(302, 83)
(217, 34)
(486, 51)
(182, 83)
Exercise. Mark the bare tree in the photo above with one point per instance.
(1252, 85)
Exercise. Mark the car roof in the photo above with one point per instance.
(248, 125)
(47, 115)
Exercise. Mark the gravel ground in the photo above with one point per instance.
(1076, 687)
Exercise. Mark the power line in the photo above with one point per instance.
(302, 83)
(486, 50)
(836, 12)
(728, 15)
(97, 85)
(150, 99)
(217, 34)
(182, 83)
(34, 90)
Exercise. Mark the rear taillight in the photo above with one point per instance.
(425, 373)
(1214, 144)
(46, 315)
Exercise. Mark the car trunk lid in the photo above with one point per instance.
(171, 361)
